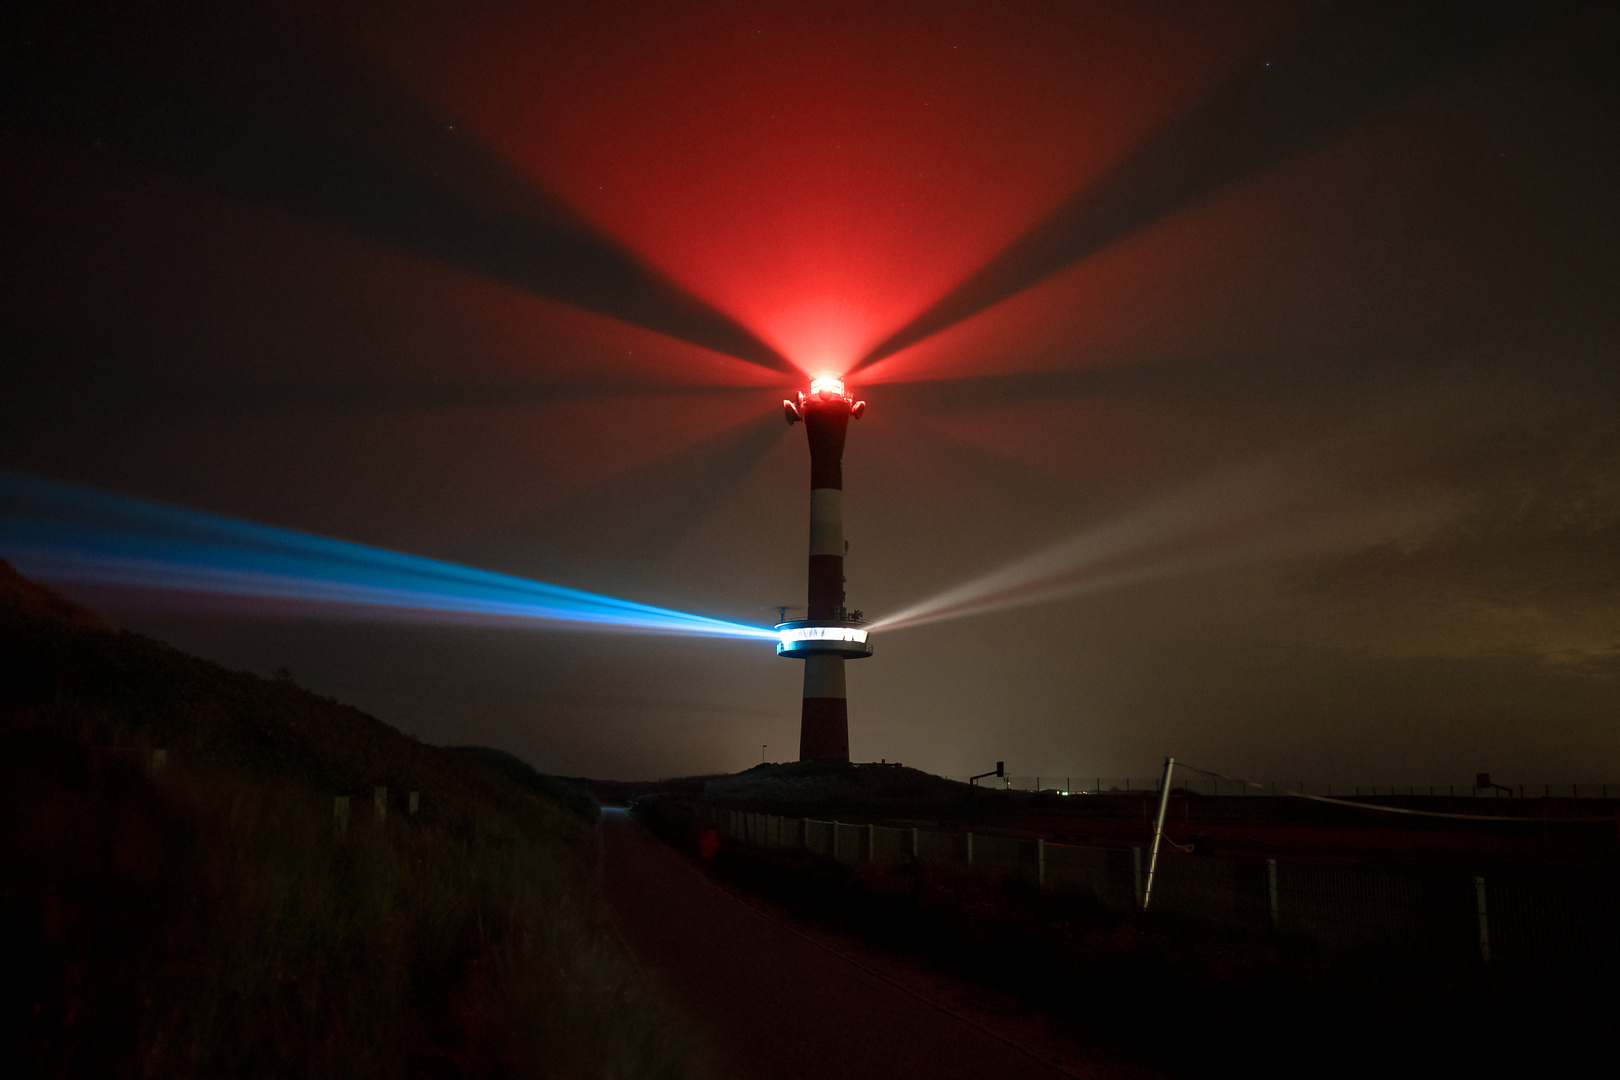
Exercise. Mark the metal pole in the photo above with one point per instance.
(1158, 830)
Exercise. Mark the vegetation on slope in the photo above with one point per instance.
(204, 919)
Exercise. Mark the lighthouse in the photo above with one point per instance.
(829, 634)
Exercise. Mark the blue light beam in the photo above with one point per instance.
(73, 535)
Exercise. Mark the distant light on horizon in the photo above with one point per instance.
(67, 534)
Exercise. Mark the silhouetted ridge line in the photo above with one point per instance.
(33, 600)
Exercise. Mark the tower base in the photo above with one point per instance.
(824, 730)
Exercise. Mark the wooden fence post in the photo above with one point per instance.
(413, 804)
(1271, 888)
(340, 816)
(379, 801)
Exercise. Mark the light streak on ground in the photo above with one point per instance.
(74, 535)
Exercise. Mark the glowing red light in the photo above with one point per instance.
(827, 386)
(820, 173)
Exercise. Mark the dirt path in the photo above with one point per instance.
(771, 1002)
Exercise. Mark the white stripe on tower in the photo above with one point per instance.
(824, 676)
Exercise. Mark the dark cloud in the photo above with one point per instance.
(1541, 526)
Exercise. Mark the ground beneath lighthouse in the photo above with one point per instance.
(777, 1000)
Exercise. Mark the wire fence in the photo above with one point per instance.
(1550, 919)
(1219, 785)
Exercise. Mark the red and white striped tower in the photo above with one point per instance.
(828, 635)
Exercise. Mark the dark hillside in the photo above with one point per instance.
(565, 792)
(139, 693)
(206, 917)
(21, 596)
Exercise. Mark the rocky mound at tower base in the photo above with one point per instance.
(800, 788)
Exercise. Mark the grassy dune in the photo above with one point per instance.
(205, 920)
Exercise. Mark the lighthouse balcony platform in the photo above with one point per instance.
(797, 640)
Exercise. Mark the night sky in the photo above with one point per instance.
(1244, 379)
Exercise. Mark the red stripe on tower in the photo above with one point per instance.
(828, 636)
